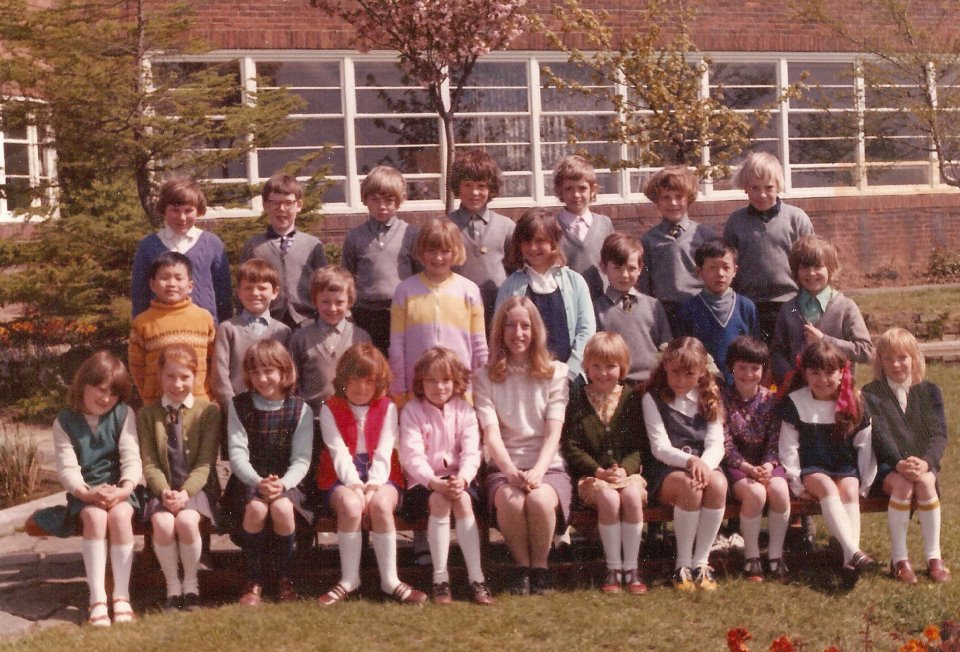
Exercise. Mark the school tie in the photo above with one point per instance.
(626, 302)
(580, 228)
(382, 233)
(476, 226)
(675, 231)
(285, 242)
(174, 427)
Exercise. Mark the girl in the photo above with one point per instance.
(98, 463)
(909, 437)
(560, 295)
(601, 444)
(818, 313)
(269, 437)
(684, 421)
(521, 396)
(179, 441)
(360, 475)
(440, 453)
(752, 465)
(435, 307)
(825, 445)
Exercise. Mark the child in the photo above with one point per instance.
(684, 420)
(257, 286)
(435, 307)
(379, 252)
(764, 232)
(818, 312)
(361, 475)
(638, 318)
(602, 446)
(909, 437)
(440, 454)
(179, 440)
(317, 346)
(718, 315)
(181, 202)
(296, 255)
(575, 184)
(475, 179)
(171, 318)
(98, 463)
(269, 435)
(825, 445)
(669, 271)
(521, 396)
(751, 438)
(560, 295)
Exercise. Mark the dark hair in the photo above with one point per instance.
(170, 259)
(536, 221)
(282, 184)
(475, 165)
(748, 349)
(713, 248)
(362, 360)
(826, 356)
(618, 247)
(446, 363)
(257, 270)
(181, 191)
(100, 368)
(270, 353)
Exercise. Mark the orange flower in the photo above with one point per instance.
(913, 645)
(736, 638)
(782, 644)
(832, 648)
(932, 633)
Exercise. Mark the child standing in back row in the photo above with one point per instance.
(575, 184)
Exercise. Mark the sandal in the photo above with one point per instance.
(122, 611)
(338, 593)
(632, 582)
(611, 584)
(406, 594)
(753, 570)
(98, 617)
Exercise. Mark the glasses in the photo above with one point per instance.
(285, 204)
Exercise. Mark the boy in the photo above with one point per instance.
(475, 178)
(763, 232)
(296, 255)
(181, 202)
(640, 319)
(317, 347)
(575, 184)
(669, 271)
(171, 318)
(379, 253)
(258, 285)
(718, 315)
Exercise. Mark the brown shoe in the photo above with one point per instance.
(252, 595)
(861, 561)
(903, 572)
(611, 583)
(938, 571)
(337, 594)
(406, 594)
(286, 592)
(632, 582)
(441, 593)
(481, 594)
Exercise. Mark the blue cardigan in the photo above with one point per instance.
(211, 275)
(581, 321)
(697, 320)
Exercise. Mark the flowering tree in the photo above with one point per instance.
(438, 41)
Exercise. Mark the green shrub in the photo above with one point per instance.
(19, 466)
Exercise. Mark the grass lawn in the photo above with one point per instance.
(814, 610)
(934, 300)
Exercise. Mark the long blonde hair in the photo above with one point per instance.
(541, 362)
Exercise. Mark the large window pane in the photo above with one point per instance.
(307, 74)
(17, 159)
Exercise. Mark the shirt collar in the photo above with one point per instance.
(466, 215)
(375, 225)
(822, 298)
(895, 386)
(615, 295)
(567, 218)
(187, 402)
(543, 283)
(272, 233)
(248, 317)
(338, 327)
(169, 235)
(766, 215)
(684, 224)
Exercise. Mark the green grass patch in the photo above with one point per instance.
(934, 300)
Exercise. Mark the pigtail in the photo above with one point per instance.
(709, 397)
(849, 405)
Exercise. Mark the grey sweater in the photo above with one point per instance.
(486, 255)
(644, 328)
(584, 256)
(296, 267)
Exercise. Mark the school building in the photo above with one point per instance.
(881, 201)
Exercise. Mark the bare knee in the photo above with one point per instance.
(281, 513)
(163, 527)
(926, 487)
(608, 505)
(254, 516)
(439, 505)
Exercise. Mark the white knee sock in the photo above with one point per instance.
(170, 565)
(121, 560)
(468, 536)
(612, 541)
(929, 514)
(777, 524)
(853, 515)
(385, 547)
(438, 538)
(898, 519)
(350, 545)
(707, 528)
(631, 534)
(750, 529)
(94, 553)
(685, 530)
(190, 558)
(838, 523)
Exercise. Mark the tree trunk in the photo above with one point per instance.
(448, 156)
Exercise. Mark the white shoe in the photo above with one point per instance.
(720, 544)
(735, 542)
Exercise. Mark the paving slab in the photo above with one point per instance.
(11, 625)
(40, 600)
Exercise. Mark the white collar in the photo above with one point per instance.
(567, 218)
(187, 403)
(542, 283)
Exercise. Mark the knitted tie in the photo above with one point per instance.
(626, 302)
(285, 242)
(675, 231)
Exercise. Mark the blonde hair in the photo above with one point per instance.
(688, 353)
(335, 279)
(362, 360)
(574, 168)
(384, 180)
(440, 233)
(762, 167)
(446, 363)
(607, 347)
(270, 353)
(814, 251)
(673, 177)
(179, 353)
(900, 341)
(101, 368)
(541, 361)
(535, 222)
